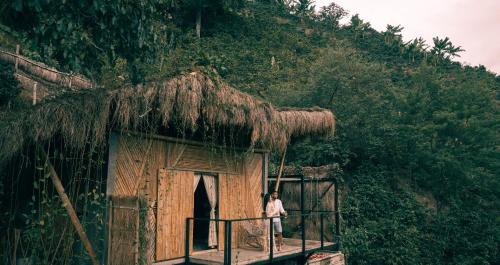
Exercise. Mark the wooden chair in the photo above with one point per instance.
(254, 234)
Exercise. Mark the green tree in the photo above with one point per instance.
(414, 48)
(332, 14)
(393, 35)
(195, 9)
(444, 49)
(304, 8)
(358, 26)
(79, 35)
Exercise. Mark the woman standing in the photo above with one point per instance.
(271, 211)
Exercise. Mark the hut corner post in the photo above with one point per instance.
(303, 213)
(69, 207)
(337, 213)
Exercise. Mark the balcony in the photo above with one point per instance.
(293, 248)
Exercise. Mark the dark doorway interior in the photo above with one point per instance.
(201, 210)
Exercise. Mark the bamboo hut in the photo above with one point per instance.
(154, 147)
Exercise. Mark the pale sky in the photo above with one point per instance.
(472, 24)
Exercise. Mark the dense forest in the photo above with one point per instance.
(417, 136)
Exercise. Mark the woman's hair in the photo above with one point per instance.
(267, 197)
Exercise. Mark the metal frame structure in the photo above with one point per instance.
(303, 215)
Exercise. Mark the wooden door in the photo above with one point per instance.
(175, 204)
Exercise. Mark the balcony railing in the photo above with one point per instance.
(303, 214)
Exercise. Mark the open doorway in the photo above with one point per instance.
(205, 207)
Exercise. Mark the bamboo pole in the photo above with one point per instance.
(34, 93)
(137, 223)
(69, 207)
(39, 70)
(280, 172)
(16, 65)
(109, 230)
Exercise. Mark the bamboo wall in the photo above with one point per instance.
(240, 197)
(159, 174)
(124, 220)
(175, 204)
(132, 177)
(319, 196)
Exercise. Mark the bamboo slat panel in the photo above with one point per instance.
(135, 176)
(240, 197)
(204, 159)
(319, 195)
(224, 204)
(123, 231)
(175, 152)
(149, 236)
(253, 182)
(137, 164)
(157, 159)
(175, 204)
(232, 197)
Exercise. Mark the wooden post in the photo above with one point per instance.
(34, 92)
(264, 180)
(109, 231)
(137, 223)
(69, 207)
(337, 212)
(17, 57)
(271, 240)
(302, 214)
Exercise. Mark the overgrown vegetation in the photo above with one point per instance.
(417, 133)
(9, 86)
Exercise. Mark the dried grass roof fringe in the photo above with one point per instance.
(86, 116)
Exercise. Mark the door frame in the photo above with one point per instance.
(216, 176)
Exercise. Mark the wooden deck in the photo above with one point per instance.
(245, 256)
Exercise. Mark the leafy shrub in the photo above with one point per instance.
(9, 86)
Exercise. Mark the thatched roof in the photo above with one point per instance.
(188, 101)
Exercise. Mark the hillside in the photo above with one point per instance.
(417, 135)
